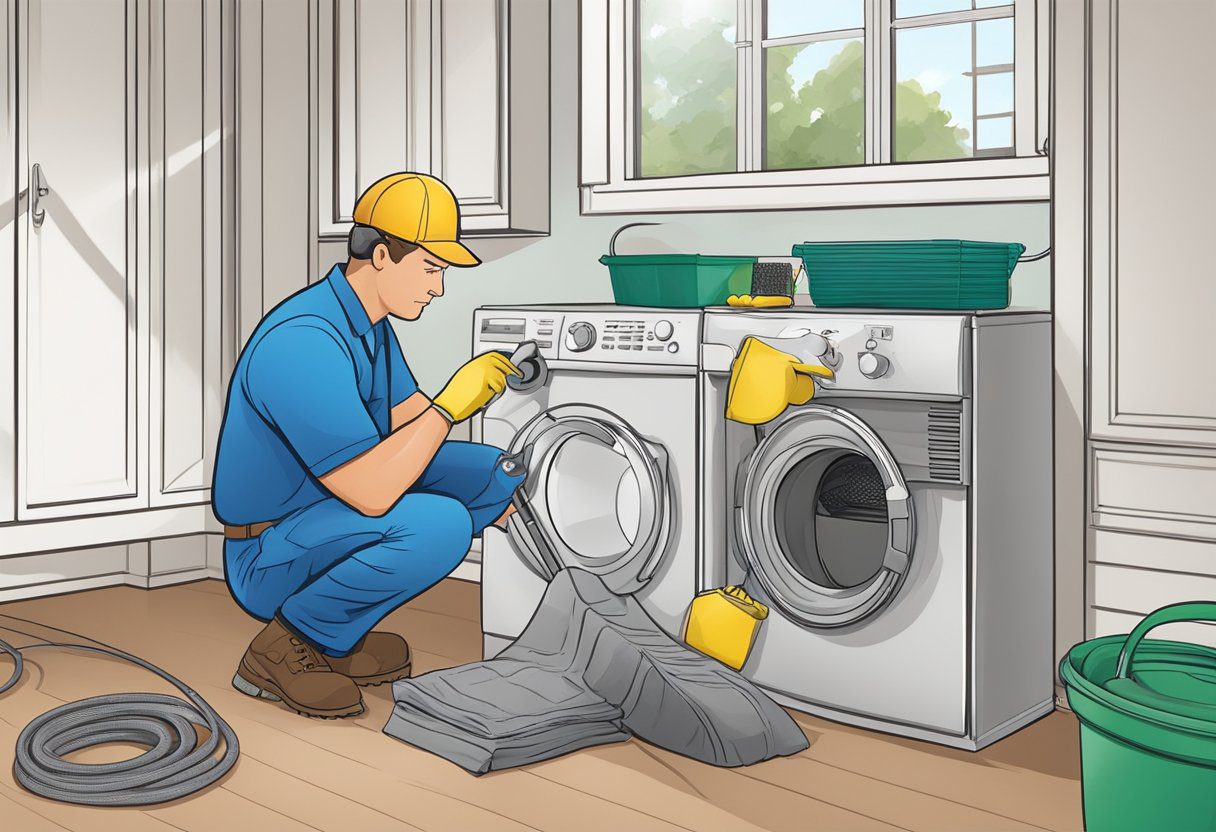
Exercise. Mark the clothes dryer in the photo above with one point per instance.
(605, 422)
(899, 525)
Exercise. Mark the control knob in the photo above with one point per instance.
(580, 336)
(663, 330)
(873, 365)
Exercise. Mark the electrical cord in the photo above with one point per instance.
(175, 765)
(1030, 258)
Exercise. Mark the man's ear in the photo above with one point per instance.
(380, 256)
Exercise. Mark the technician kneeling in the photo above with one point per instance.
(340, 497)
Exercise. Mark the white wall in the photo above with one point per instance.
(564, 267)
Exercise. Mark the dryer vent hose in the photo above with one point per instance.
(178, 761)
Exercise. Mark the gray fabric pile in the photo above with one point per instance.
(591, 668)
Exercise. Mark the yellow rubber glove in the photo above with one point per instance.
(764, 381)
(768, 301)
(474, 384)
(739, 300)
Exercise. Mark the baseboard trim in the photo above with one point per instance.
(467, 571)
(19, 539)
(143, 564)
(42, 589)
(146, 567)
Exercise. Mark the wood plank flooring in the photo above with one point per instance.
(297, 773)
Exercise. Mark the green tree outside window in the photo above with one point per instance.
(687, 109)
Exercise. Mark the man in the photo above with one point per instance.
(340, 497)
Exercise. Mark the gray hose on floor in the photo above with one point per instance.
(175, 765)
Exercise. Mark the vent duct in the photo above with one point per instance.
(945, 444)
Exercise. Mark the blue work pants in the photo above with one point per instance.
(332, 573)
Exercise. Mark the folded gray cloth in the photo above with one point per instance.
(590, 668)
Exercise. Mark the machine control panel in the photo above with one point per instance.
(873, 364)
(504, 330)
(925, 354)
(619, 335)
(580, 336)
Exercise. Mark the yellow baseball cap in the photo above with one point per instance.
(419, 209)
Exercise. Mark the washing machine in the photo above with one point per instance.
(898, 525)
(605, 421)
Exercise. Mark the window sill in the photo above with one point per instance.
(1024, 179)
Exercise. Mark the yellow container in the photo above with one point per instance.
(723, 623)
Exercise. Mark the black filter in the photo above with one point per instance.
(853, 490)
(773, 279)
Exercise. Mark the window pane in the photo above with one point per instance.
(993, 134)
(915, 8)
(933, 93)
(686, 116)
(994, 42)
(815, 104)
(994, 93)
(936, 79)
(805, 17)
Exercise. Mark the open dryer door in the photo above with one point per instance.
(597, 497)
(823, 517)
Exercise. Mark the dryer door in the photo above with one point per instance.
(823, 517)
(597, 497)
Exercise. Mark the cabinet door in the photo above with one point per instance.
(469, 67)
(1152, 450)
(78, 329)
(372, 58)
(8, 238)
(1153, 293)
(490, 111)
(189, 211)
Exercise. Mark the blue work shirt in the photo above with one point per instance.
(313, 389)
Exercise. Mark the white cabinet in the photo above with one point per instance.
(8, 239)
(490, 111)
(191, 211)
(115, 251)
(456, 88)
(79, 331)
(1152, 406)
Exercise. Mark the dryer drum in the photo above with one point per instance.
(563, 509)
(853, 490)
(823, 517)
(830, 518)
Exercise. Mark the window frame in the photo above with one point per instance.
(609, 139)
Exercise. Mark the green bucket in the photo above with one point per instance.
(1147, 711)
(677, 280)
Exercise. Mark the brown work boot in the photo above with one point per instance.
(281, 667)
(377, 658)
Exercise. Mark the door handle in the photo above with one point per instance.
(41, 189)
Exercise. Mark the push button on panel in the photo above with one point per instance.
(873, 365)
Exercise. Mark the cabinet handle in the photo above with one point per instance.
(41, 189)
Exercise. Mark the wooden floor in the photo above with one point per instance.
(297, 773)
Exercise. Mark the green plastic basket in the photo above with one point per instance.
(677, 280)
(910, 274)
(1147, 710)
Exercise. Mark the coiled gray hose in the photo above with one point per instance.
(175, 765)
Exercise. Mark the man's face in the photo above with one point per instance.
(407, 287)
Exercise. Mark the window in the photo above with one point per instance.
(954, 79)
(716, 104)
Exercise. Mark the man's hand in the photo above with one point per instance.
(474, 384)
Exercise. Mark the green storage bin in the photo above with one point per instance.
(677, 280)
(1147, 710)
(910, 274)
